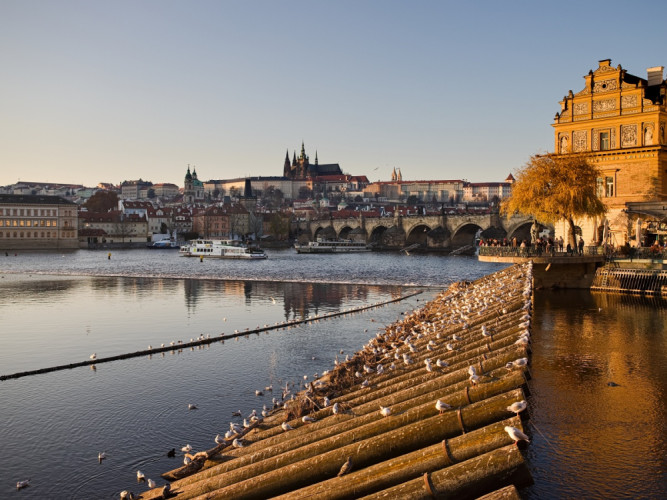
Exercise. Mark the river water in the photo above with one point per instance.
(589, 439)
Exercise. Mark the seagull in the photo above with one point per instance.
(166, 490)
(237, 443)
(101, 456)
(307, 419)
(140, 476)
(441, 364)
(516, 434)
(151, 484)
(326, 402)
(258, 393)
(126, 495)
(186, 449)
(219, 439)
(472, 370)
(347, 467)
(441, 406)
(474, 379)
(450, 347)
(286, 427)
(22, 484)
(336, 409)
(192, 406)
(385, 411)
(517, 407)
(93, 356)
(187, 460)
(521, 362)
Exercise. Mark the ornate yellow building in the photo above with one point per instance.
(620, 120)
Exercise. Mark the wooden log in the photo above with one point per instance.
(387, 437)
(409, 466)
(466, 480)
(200, 458)
(339, 426)
(507, 493)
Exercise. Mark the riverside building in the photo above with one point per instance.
(620, 120)
(37, 222)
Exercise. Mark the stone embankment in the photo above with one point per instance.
(431, 407)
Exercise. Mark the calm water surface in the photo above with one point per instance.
(589, 439)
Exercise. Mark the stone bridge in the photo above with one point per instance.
(430, 232)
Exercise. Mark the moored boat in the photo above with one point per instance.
(163, 245)
(221, 249)
(332, 246)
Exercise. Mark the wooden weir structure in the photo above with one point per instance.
(632, 281)
(468, 348)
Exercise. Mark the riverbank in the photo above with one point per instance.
(468, 348)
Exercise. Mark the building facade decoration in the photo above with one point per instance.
(625, 135)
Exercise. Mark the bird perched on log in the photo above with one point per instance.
(517, 407)
(307, 419)
(347, 467)
(237, 443)
(219, 439)
(336, 409)
(325, 402)
(286, 427)
(441, 406)
(516, 434)
(166, 491)
(187, 460)
(441, 364)
(385, 411)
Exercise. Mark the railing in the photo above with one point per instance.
(646, 253)
(533, 251)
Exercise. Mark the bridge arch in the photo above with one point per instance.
(418, 235)
(465, 235)
(344, 232)
(520, 231)
(377, 235)
(327, 233)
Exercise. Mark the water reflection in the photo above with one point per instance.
(599, 391)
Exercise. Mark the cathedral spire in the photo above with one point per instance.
(316, 163)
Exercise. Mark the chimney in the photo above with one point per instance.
(655, 75)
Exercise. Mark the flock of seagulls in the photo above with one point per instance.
(419, 332)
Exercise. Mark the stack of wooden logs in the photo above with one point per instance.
(373, 429)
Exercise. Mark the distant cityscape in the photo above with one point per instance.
(259, 208)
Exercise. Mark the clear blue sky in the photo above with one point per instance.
(105, 91)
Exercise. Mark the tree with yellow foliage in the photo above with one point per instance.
(552, 187)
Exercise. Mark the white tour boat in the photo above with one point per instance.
(332, 246)
(221, 249)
